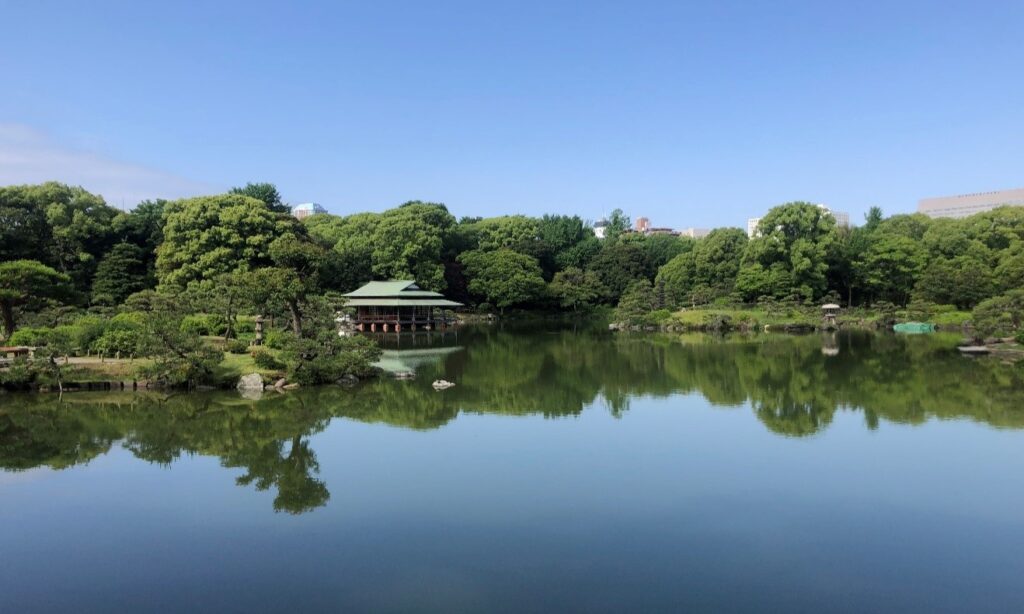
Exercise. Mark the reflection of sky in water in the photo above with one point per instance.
(689, 478)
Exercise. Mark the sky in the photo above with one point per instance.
(689, 113)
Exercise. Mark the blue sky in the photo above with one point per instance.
(693, 114)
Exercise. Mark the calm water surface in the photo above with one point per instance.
(565, 471)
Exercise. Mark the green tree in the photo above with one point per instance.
(211, 235)
(637, 302)
(962, 281)
(796, 237)
(576, 288)
(179, 358)
(618, 223)
(143, 227)
(318, 355)
(999, 316)
(716, 259)
(408, 243)
(265, 192)
(679, 278)
(503, 277)
(64, 227)
(892, 265)
(122, 272)
(1009, 274)
(617, 265)
(22, 281)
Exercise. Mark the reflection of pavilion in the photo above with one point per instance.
(405, 361)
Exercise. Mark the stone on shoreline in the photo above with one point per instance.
(253, 381)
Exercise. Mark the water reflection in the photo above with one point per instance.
(794, 386)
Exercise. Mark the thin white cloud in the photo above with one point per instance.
(30, 156)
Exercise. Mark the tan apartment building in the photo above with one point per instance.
(969, 204)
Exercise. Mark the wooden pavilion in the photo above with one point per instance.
(396, 305)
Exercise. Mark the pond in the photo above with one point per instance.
(566, 470)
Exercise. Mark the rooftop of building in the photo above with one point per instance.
(397, 292)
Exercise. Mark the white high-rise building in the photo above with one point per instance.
(600, 226)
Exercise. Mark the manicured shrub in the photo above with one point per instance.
(118, 341)
(237, 346)
(88, 330)
(195, 325)
(266, 360)
(34, 337)
(275, 339)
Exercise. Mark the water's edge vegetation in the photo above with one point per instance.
(79, 278)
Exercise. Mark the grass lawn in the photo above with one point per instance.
(235, 366)
(695, 318)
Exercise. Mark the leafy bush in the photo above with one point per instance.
(1000, 316)
(88, 329)
(117, 340)
(1020, 337)
(327, 357)
(18, 375)
(195, 325)
(245, 325)
(275, 339)
(34, 337)
(266, 360)
(237, 346)
(660, 316)
(128, 319)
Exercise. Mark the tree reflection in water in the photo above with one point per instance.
(793, 385)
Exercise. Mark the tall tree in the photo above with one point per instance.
(265, 192)
(893, 264)
(22, 281)
(618, 265)
(122, 272)
(796, 238)
(576, 288)
(503, 277)
(211, 235)
(618, 223)
(408, 243)
(64, 227)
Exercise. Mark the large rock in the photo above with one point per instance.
(253, 381)
(348, 380)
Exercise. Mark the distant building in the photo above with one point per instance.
(752, 226)
(969, 204)
(307, 209)
(694, 233)
(600, 228)
(661, 231)
(841, 217)
(643, 224)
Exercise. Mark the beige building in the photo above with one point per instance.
(969, 204)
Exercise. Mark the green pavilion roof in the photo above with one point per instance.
(397, 293)
(401, 302)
